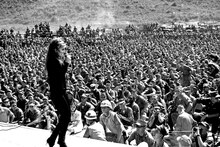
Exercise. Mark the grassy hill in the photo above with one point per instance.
(20, 14)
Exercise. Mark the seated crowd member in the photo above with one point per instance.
(94, 130)
(76, 123)
(184, 141)
(158, 134)
(200, 137)
(84, 106)
(130, 100)
(48, 119)
(125, 113)
(5, 114)
(151, 69)
(156, 118)
(18, 113)
(32, 116)
(113, 126)
(141, 134)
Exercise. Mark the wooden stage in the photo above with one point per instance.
(12, 135)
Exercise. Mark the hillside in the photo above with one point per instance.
(20, 14)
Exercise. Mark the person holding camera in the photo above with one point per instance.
(210, 113)
(199, 135)
(157, 118)
(124, 113)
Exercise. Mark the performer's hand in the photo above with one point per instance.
(68, 58)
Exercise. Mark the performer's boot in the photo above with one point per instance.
(50, 142)
(62, 144)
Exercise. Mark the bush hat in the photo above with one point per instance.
(141, 123)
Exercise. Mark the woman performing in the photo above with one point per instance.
(57, 64)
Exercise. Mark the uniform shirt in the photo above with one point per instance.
(182, 99)
(95, 131)
(5, 114)
(111, 123)
(76, 123)
(112, 93)
(32, 115)
(186, 75)
(19, 114)
(147, 137)
(128, 113)
(184, 122)
(142, 102)
(136, 111)
(76, 116)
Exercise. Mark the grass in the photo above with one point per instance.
(21, 14)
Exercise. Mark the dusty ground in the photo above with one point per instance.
(21, 14)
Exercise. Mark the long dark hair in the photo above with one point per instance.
(54, 52)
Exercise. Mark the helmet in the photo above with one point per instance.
(141, 123)
(90, 115)
(106, 103)
(143, 144)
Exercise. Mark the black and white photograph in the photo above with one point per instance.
(104, 73)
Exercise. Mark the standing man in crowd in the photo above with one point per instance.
(184, 122)
(180, 98)
(185, 77)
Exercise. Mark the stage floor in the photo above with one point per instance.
(20, 136)
(12, 135)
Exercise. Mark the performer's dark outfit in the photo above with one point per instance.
(56, 78)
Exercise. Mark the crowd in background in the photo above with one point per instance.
(166, 81)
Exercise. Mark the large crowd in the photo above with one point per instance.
(161, 86)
